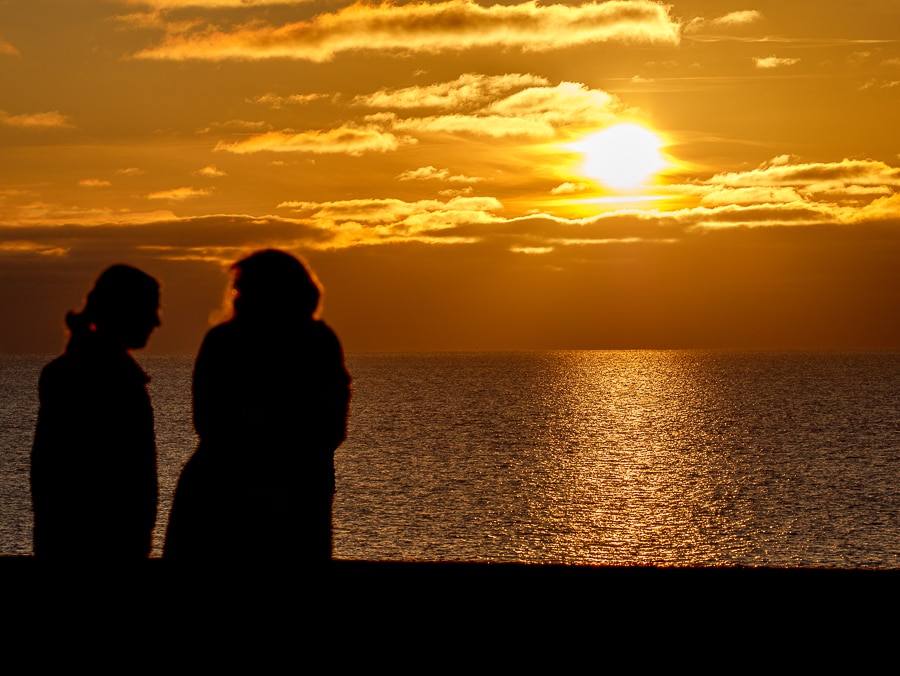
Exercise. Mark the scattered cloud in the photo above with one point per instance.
(49, 120)
(722, 196)
(345, 140)
(210, 172)
(740, 18)
(813, 177)
(40, 215)
(367, 221)
(494, 126)
(278, 101)
(94, 183)
(785, 192)
(535, 112)
(210, 4)
(178, 194)
(31, 247)
(430, 173)
(7, 49)
(769, 62)
(456, 192)
(236, 125)
(570, 188)
(730, 20)
(469, 89)
(879, 84)
(532, 250)
(15, 192)
(454, 25)
(131, 171)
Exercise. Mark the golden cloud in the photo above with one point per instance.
(566, 104)
(757, 195)
(28, 247)
(347, 140)
(35, 120)
(456, 192)
(731, 20)
(8, 49)
(210, 172)
(784, 192)
(774, 62)
(236, 125)
(738, 18)
(495, 126)
(178, 194)
(465, 91)
(277, 102)
(454, 25)
(41, 215)
(569, 188)
(535, 112)
(210, 4)
(371, 221)
(375, 211)
(430, 173)
(813, 177)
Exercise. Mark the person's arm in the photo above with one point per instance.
(336, 396)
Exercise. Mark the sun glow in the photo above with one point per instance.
(623, 157)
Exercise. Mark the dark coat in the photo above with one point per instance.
(270, 408)
(93, 463)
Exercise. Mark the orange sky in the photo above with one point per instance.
(424, 158)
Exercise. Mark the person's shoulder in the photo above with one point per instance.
(222, 342)
(58, 369)
(324, 333)
(220, 330)
(219, 334)
(63, 377)
(328, 346)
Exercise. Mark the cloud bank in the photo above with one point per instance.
(455, 25)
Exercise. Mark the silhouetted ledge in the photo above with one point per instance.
(359, 567)
(455, 576)
(436, 600)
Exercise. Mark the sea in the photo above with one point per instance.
(636, 457)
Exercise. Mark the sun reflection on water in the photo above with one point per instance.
(633, 457)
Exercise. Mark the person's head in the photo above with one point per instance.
(123, 308)
(275, 285)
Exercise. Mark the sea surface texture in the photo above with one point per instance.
(601, 457)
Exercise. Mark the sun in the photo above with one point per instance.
(622, 157)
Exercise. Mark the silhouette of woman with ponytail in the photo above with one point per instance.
(271, 396)
(93, 463)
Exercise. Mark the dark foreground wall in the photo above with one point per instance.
(424, 618)
(424, 585)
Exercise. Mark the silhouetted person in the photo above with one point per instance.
(93, 463)
(271, 397)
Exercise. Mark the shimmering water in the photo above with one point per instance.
(632, 457)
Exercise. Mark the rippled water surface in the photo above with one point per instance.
(633, 457)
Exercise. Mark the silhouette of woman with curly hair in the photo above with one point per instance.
(93, 463)
(271, 397)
